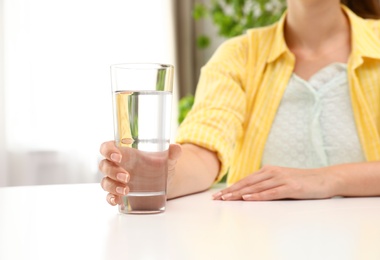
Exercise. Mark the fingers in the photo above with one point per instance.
(175, 151)
(114, 182)
(274, 193)
(110, 151)
(253, 189)
(271, 183)
(113, 199)
(114, 171)
(252, 180)
(271, 194)
(118, 161)
(114, 187)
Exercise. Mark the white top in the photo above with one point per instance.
(74, 222)
(314, 125)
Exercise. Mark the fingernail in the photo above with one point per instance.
(116, 157)
(112, 200)
(216, 195)
(247, 196)
(122, 177)
(227, 196)
(120, 190)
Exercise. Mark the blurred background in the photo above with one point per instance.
(55, 97)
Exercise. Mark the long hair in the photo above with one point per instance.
(364, 8)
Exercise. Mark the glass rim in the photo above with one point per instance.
(141, 66)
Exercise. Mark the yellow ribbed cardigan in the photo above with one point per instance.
(241, 87)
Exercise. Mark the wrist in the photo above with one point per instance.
(333, 181)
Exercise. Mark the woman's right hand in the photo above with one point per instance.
(119, 159)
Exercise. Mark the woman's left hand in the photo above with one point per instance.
(273, 183)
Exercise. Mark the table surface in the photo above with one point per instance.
(75, 222)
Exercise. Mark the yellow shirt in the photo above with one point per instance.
(241, 87)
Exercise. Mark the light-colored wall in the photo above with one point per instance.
(57, 86)
(3, 160)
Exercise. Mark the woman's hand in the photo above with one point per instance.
(273, 183)
(120, 163)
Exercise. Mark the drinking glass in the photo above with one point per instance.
(142, 101)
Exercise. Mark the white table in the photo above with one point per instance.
(75, 222)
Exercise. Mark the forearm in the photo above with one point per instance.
(356, 179)
(196, 170)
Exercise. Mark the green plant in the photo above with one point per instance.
(185, 105)
(234, 17)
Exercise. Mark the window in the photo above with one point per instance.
(57, 95)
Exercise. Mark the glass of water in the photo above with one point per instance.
(142, 100)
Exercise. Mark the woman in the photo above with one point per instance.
(290, 111)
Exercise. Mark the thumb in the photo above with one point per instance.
(175, 151)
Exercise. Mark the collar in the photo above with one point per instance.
(364, 41)
(279, 45)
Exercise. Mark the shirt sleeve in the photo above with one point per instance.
(216, 119)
